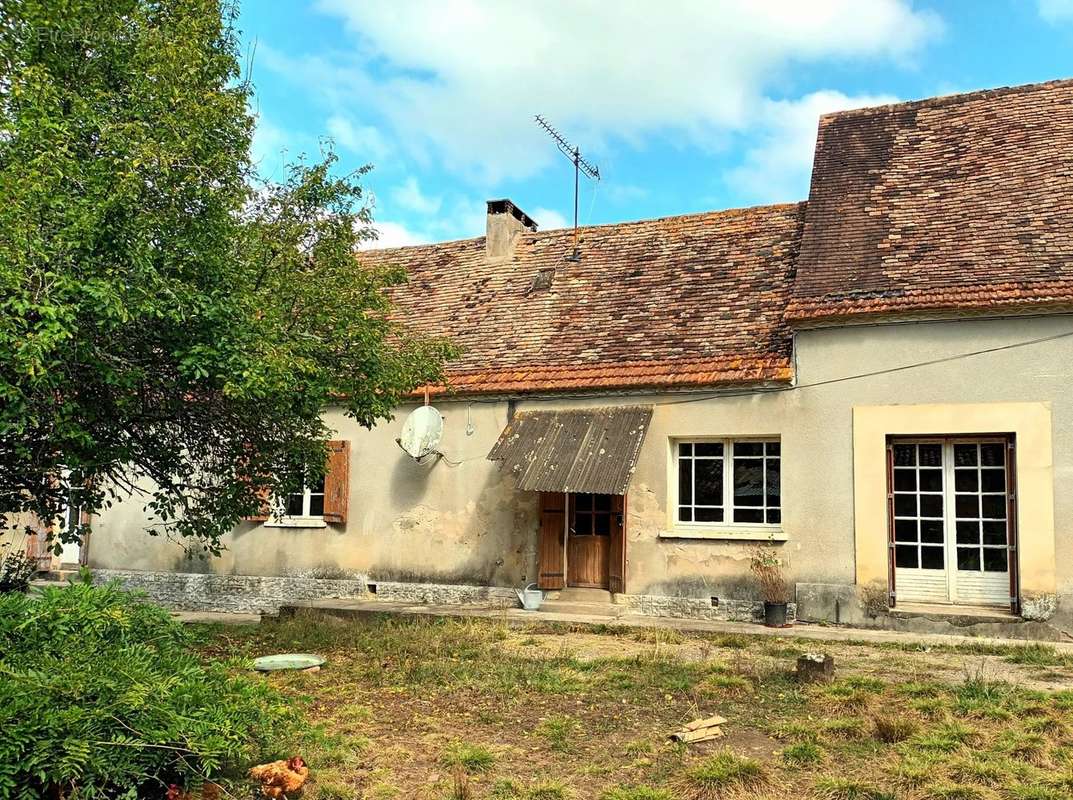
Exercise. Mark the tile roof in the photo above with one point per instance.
(680, 301)
(951, 204)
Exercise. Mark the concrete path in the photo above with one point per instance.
(356, 609)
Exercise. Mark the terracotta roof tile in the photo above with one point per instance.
(680, 301)
(954, 203)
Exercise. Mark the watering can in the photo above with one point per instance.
(530, 597)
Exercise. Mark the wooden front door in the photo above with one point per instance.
(589, 546)
(551, 573)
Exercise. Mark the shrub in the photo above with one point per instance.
(16, 569)
(102, 695)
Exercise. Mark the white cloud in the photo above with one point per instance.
(777, 167)
(1055, 11)
(458, 81)
(548, 219)
(410, 197)
(364, 140)
(393, 234)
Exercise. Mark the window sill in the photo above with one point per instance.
(296, 522)
(728, 533)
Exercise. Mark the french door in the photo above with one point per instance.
(952, 522)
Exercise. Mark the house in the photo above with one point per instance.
(875, 380)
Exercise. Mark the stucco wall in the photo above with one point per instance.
(442, 524)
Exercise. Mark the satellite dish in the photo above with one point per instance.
(421, 432)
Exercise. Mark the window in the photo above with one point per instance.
(307, 503)
(729, 482)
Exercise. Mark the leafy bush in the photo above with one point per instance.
(103, 696)
(16, 571)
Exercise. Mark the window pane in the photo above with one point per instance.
(905, 556)
(685, 514)
(969, 558)
(931, 505)
(993, 480)
(967, 506)
(685, 481)
(905, 530)
(995, 559)
(905, 480)
(994, 532)
(905, 505)
(932, 558)
(582, 523)
(773, 448)
(685, 449)
(748, 515)
(708, 515)
(994, 506)
(748, 482)
(294, 505)
(602, 502)
(968, 532)
(317, 487)
(708, 449)
(992, 455)
(583, 502)
(965, 480)
(773, 479)
(930, 455)
(748, 449)
(602, 524)
(905, 455)
(316, 505)
(964, 455)
(931, 530)
(708, 482)
(931, 480)
(774, 516)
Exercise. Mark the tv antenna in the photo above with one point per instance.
(580, 165)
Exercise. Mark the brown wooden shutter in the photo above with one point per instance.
(617, 557)
(337, 482)
(552, 539)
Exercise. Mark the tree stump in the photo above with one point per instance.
(815, 667)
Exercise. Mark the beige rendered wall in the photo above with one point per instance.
(440, 523)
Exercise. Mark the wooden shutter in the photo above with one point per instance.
(617, 557)
(551, 574)
(337, 482)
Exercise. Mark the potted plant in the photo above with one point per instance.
(767, 569)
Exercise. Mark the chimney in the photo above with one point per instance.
(505, 223)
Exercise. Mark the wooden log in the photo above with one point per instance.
(698, 735)
(815, 667)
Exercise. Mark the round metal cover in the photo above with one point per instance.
(287, 661)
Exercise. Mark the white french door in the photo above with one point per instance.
(950, 532)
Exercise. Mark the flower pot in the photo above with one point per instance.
(775, 614)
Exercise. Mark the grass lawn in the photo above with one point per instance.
(475, 709)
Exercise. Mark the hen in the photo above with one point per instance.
(281, 778)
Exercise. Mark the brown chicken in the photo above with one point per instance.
(281, 778)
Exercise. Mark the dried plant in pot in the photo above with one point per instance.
(766, 566)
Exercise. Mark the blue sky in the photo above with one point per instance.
(685, 105)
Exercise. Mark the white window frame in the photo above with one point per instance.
(727, 529)
(304, 520)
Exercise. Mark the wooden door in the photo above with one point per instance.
(552, 538)
(589, 545)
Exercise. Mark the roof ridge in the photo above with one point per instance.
(716, 213)
(940, 101)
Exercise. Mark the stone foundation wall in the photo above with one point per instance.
(187, 591)
(437, 594)
(698, 608)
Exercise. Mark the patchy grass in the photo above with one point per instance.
(431, 709)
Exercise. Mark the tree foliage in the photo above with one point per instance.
(169, 324)
(102, 695)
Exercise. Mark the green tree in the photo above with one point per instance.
(169, 324)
